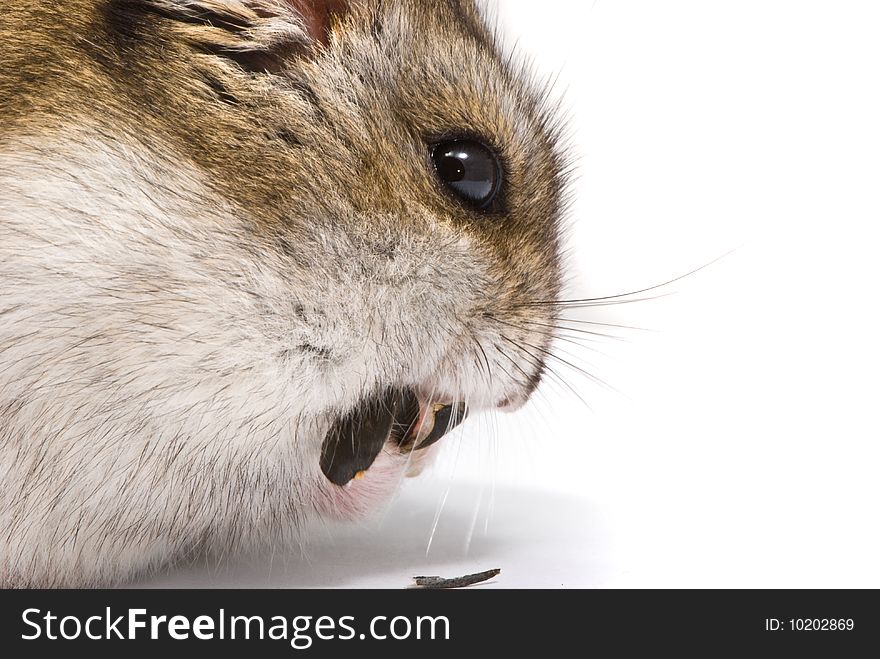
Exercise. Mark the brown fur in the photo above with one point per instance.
(320, 128)
(308, 125)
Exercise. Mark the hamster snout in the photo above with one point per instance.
(257, 258)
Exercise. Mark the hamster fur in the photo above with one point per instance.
(220, 230)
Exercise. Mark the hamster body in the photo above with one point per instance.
(228, 229)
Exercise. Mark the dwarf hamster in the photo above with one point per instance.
(256, 258)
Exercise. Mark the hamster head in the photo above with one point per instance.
(338, 237)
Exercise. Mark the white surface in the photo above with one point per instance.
(742, 449)
(531, 547)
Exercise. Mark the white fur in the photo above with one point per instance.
(155, 398)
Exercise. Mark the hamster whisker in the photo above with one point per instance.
(581, 321)
(487, 371)
(473, 525)
(580, 331)
(623, 296)
(534, 362)
(583, 341)
(574, 356)
(580, 338)
(587, 303)
(551, 355)
(577, 330)
(579, 341)
(513, 363)
(576, 339)
(537, 362)
(449, 484)
(437, 515)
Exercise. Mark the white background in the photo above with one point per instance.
(740, 448)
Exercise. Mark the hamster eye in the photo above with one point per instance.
(470, 170)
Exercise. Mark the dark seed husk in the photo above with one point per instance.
(355, 440)
(458, 582)
(445, 420)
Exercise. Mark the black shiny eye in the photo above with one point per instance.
(470, 170)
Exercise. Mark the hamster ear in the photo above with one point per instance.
(317, 15)
(258, 34)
